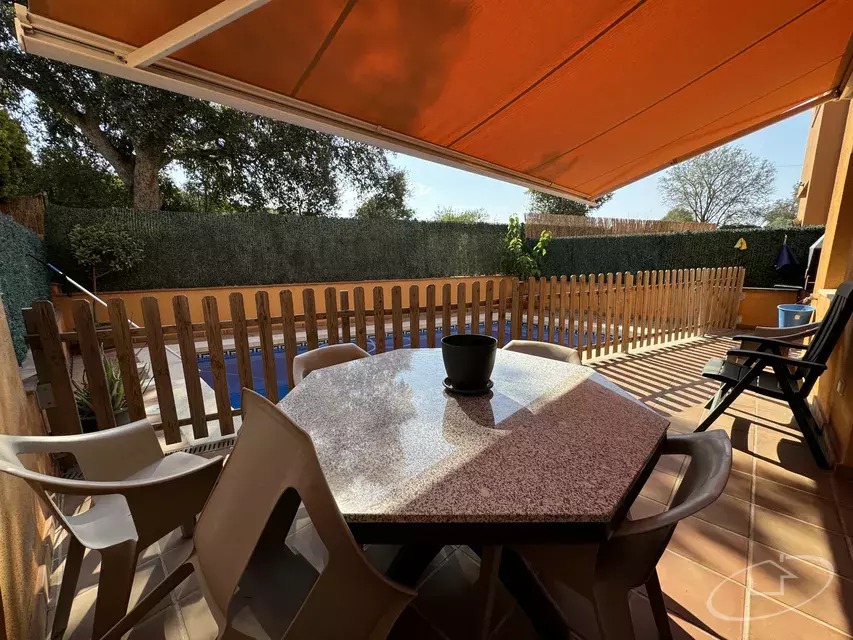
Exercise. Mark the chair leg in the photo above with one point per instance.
(809, 428)
(149, 602)
(188, 528)
(729, 396)
(655, 594)
(70, 576)
(612, 612)
(118, 565)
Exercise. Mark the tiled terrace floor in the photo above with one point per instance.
(720, 574)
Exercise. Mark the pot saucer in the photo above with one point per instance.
(467, 392)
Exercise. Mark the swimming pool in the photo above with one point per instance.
(233, 377)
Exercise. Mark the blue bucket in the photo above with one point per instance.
(794, 315)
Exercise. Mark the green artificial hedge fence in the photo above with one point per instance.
(632, 253)
(184, 250)
(24, 277)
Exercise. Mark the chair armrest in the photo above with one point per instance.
(108, 455)
(774, 342)
(127, 488)
(771, 358)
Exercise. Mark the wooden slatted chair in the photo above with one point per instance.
(767, 371)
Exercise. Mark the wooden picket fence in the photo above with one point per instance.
(598, 315)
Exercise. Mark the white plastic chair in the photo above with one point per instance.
(138, 496)
(305, 363)
(544, 350)
(254, 585)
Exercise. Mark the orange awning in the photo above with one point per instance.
(572, 97)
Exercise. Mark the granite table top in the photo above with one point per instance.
(552, 442)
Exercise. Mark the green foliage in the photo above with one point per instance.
(16, 163)
(115, 388)
(689, 249)
(539, 202)
(24, 277)
(678, 214)
(389, 203)
(183, 250)
(520, 259)
(104, 250)
(73, 176)
(723, 186)
(781, 213)
(228, 156)
(467, 216)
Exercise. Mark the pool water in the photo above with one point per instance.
(233, 377)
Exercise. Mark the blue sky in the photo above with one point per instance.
(434, 185)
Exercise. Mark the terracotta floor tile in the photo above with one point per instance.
(448, 598)
(711, 546)
(198, 621)
(797, 504)
(812, 590)
(729, 513)
(774, 411)
(670, 464)
(817, 482)
(645, 627)
(687, 588)
(770, 620)
(644, 507)
(799, 538)
(308, 543)
(789, 451)
(658, 487)
(739, 485)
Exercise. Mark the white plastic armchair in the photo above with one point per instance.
(138, 496)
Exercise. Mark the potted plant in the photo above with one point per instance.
(115, 388)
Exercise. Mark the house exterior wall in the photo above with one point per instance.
(821, 161)
(24, 530)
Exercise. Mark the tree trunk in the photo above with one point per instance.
(146, 184)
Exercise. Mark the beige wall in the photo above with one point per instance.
(821, 161)
(133, 299)
(836, 265)
(23, 528)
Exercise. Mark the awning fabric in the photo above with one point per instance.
(573, 97)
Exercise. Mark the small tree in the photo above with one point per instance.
(539, 202)
(782, 213)
(678, 214)
(519, 258)
(104, 250)
(469, 216)
(389, 203)
(724, 186)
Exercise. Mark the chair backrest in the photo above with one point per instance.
(827, 336)
(637, 545)
(544, 350)
(305, 363)
(273, 462)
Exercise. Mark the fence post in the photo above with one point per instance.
(379, 319)
(213, 332)
(346, 335)
(331, 315)
(160, 369)
(475, 307)
(489, 308)
(502, 296)
(414, 316)
(262, 306)
(310, 313)
(288, 327)
(241, 340)
(51, 367)
(515, 311)
(127, 359)
(93, 363)
(540, 313)
(461, 308)
(397, 316)
(360, 318)
(446, 293)
(430, 316)
(189, 363)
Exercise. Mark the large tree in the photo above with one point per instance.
(16, 163)
(231, 157)
(540, 202)
(390, 202)
(728, 185)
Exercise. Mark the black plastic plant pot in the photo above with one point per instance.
(468, 360)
